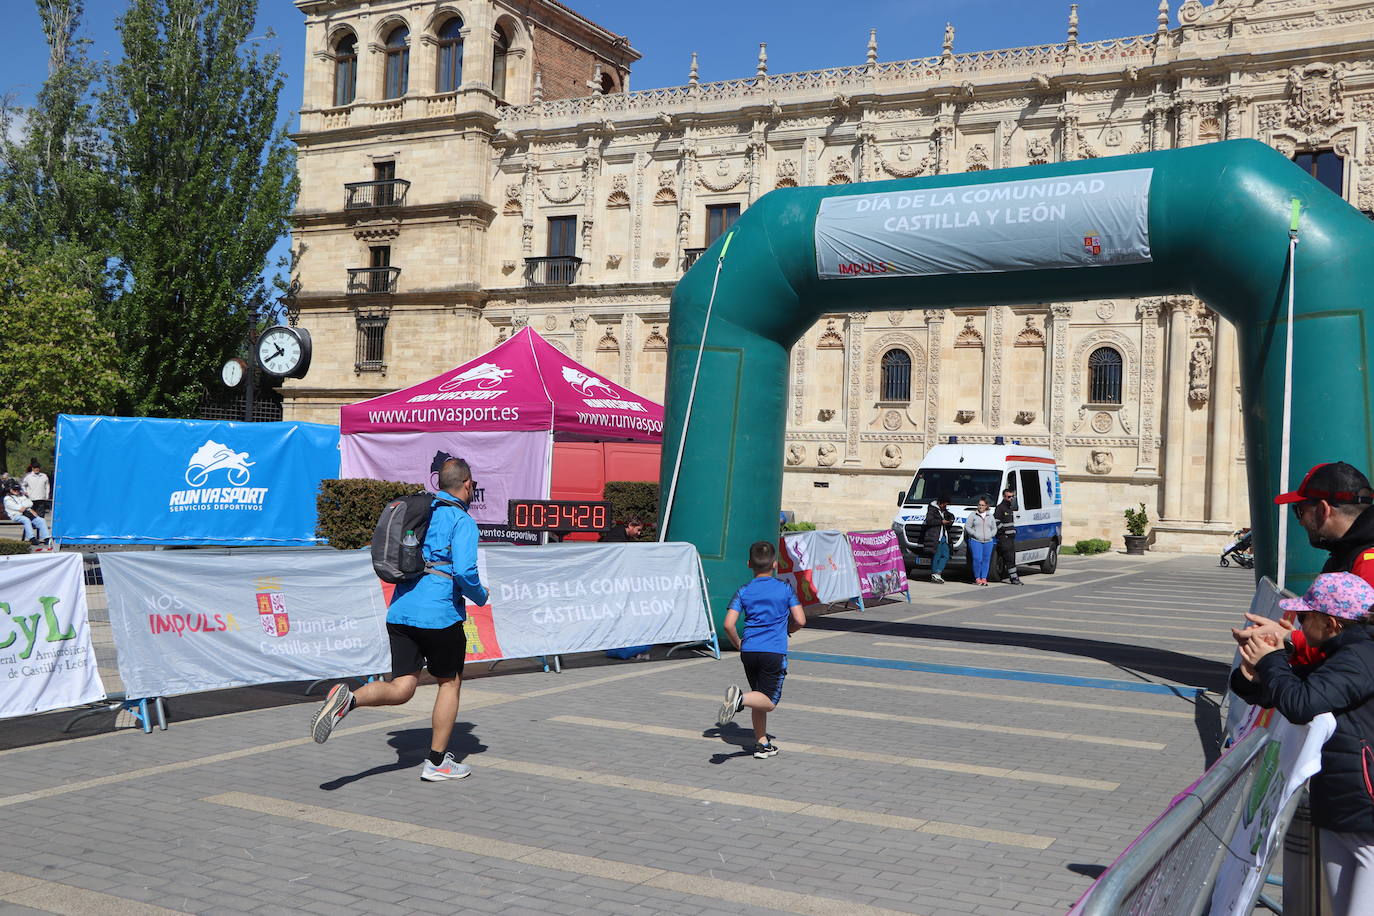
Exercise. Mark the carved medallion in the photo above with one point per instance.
(827, 455)
(1102, 422)
(796, 454)
(892, 456)
(1105, 310)
(892, 420)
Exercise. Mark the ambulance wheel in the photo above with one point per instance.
(1051, 561)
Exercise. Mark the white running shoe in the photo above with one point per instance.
(734, 702)
(331, 713)
(449, 769)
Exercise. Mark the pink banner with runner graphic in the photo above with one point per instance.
(879, 561)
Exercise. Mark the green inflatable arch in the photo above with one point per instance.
(1217, 220)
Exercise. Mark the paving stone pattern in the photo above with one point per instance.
(610, 790)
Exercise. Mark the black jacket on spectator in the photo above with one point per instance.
(1346, 549)
(1005, 513)
(936, 519)
(1343, 685)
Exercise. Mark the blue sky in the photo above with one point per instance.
(801, 35)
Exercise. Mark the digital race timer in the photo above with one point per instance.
(558, 515)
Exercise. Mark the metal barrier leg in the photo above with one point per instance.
(1302, 892)
(161, 714)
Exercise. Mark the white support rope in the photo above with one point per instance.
(1285, 448)
(691, 395)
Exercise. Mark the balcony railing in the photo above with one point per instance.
(365, 280)
(554, 271)
(690, 256)
(368, 195)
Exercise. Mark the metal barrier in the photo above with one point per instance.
(1172, 868)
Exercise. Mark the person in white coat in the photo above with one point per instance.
(38, 488)
(19, 508)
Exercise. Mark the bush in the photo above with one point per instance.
(1092, 546)
(799, 526)
(9, 546)
(637, 498)
(1136, 520)
(347, 510)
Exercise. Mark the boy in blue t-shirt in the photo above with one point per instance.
(771, 613)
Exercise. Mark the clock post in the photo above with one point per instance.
(248, 392)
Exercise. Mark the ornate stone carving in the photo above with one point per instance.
(1105, 310)
(1030, 335)
(796, 454)
(798, 380)
(969, 336)
(608, 342)
(1200, 372)
(1150, 310)
(566, 191)
(1124, 346)
(513, 205)
(830, 338)
(892, 456)
(1059, 331)
(977, 158)
(1102, 422)
(874, 355)
(964, 416)
(854, 351)
(1204, 323)
(1100, 462)
(892, 420)
(935, 322)
(666, 193)
(895, 318)
(1038, 150)
(995, 317)
(825, 414)
(620, 192)
(655, 340)
(786, 174)
(840, 170)
(550, 322)
(722, 170)
(1315, 96)
(1025, 417)
(827, 455)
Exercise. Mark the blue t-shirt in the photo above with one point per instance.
(766, 603)
(434, 602)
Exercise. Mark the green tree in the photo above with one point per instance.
(54, 165)
(206, 181)
(59, 357)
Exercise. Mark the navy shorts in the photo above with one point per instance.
(765, 671)
(442, 651)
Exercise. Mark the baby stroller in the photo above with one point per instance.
(1240, 550)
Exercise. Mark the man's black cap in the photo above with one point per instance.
(1336, 482)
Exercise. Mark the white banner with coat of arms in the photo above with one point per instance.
(188, 622)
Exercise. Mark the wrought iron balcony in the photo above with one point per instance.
(369, 195)
(690, 256)
(553, 271)
(372, 280)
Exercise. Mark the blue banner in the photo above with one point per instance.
(136, 480)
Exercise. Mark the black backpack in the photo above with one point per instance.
(394, 561)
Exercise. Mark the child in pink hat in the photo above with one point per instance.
(1332, 616)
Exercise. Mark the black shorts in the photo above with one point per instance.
(765, 671)
(442, 651)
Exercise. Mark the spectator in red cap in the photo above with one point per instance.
(1332, 505)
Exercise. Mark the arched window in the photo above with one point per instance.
(896, 375)
(498, 62)
(346, 70)
(397, 63)
(607, 83)
(450, 56)
(1104, 376)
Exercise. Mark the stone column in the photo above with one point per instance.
(992, 410)
(1060, 313)
(1150, 375)
(1219, 457)
(935, 323)
(1176, 407)
(854, 359)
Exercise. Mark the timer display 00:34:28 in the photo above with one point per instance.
(559, 515)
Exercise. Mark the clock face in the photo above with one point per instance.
(232, 373)
(284, 351)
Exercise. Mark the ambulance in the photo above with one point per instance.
(965, 472)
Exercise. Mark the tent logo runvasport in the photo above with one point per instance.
(484, 376)
(588, 384)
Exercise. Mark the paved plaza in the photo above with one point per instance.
(928, 765)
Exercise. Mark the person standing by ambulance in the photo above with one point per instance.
(1005, 514)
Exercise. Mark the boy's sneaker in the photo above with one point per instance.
(937, 578)
(449, 769)
(765, 750)
(331, 713)
(734, 702)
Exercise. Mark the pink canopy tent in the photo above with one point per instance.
(502, 412)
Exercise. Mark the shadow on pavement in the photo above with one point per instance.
(740, 737)
(1087, 871)
(412, 746)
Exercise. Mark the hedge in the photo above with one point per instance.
(634, 498)
(798, 526)
(9, 546)
(347, 510)
(1091, 546)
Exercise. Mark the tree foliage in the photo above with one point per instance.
(60, 358)
(205, 181)
(54, 165)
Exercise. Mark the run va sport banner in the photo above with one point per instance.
(819, 565)
(586, 597)
(878, 560)
(136, 480)
(46, 657)
(204, 620)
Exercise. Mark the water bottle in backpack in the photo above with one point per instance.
(412, 560)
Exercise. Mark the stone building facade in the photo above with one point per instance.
(535, 188)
